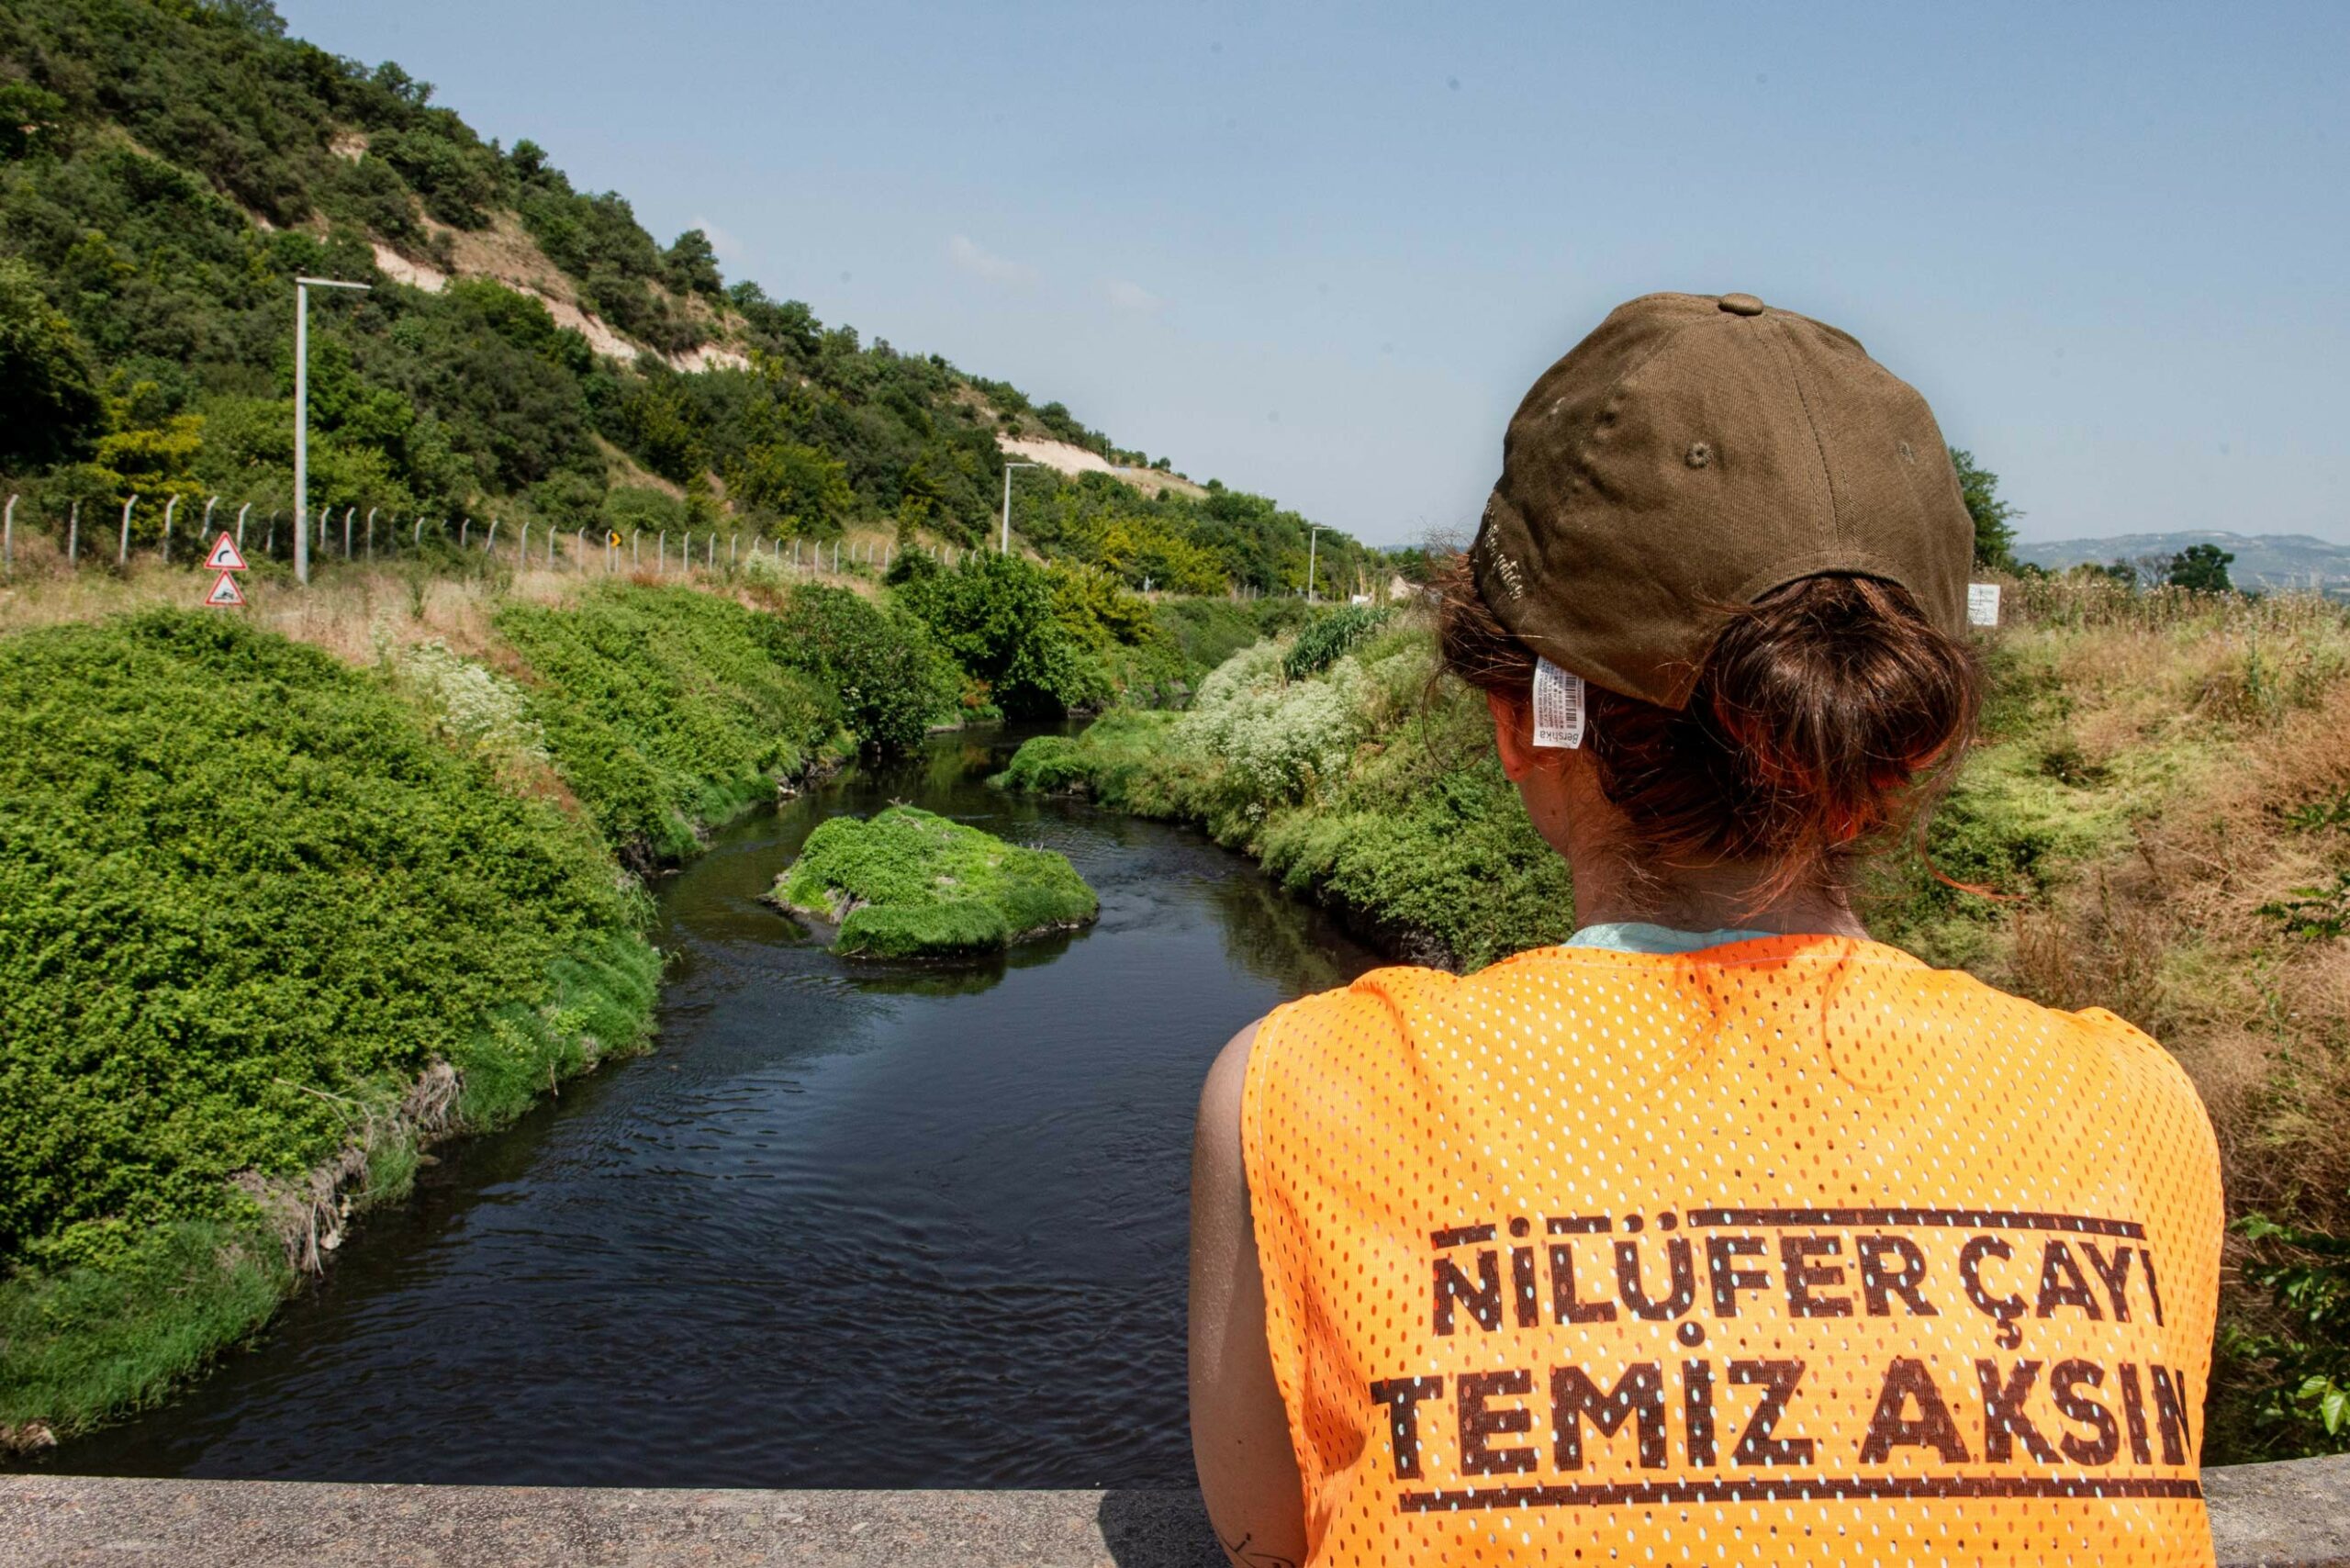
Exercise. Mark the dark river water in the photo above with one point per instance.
(848, 1225)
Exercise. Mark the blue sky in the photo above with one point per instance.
(1320, 253)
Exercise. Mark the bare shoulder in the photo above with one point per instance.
(1240, 1437)
(1229, 1077)
(1219, 1178)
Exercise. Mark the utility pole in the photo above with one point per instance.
(1312, 538)
(302, 287)
(1006, 548)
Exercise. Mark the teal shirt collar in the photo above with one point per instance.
(1639, 936)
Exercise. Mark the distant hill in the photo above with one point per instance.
(2270, 561)
(528, 353)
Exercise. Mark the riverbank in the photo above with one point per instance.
(840, 1185)
(250, 903)
(283, 907)
(1364, 784)
(2159, 805)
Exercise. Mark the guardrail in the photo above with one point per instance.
(2294, 1515)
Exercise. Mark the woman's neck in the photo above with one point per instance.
(1711, 898)
(1574, 817)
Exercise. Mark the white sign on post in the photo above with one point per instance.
(225, 594)
(224, 556)
(1982, 604)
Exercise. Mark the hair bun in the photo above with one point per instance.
(1821, 717)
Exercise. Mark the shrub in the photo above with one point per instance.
(2303, 1401)
(1323, 640)
(1044, 765)
(1276, 738)
(245, 899)
(1206, 631)
(907, 883)
(231, 869)
(666, 711)
(471, 708)
(1350, 786)
(999, 617)
(889, 676)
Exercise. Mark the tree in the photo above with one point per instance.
(799, 483)
(692, 266)
(2202, 568)
(2119, 572)
(50, 405)
(999, 617)
(30, 120)
(152, 448)
(1994, 535)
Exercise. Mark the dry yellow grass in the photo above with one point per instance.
(363, 613)
(2157, 772)
(2247, 705)
(2207, 745)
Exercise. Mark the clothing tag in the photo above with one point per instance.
(1558, 706)
(1982, 604)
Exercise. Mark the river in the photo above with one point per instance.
(846, 1226)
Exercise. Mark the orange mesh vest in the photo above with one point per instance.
(1785, 1251)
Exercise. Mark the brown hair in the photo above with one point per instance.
(1827, 713)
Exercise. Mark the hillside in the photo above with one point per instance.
(529, 352)
(2272, 562)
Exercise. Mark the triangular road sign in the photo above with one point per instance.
(225, 556)
(224, 594)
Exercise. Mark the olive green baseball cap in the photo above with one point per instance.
(1690, 455)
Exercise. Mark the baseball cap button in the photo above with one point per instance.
(1740, 304)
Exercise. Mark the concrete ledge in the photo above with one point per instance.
(52, 1521)
(2291, 1516)
(2294, 1515)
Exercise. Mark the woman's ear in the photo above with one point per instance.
(1513, 735)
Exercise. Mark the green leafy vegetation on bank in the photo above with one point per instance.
(889, 676)
(1041, 641)
(246, 899)
(1352, 785)
(670, 710)
(909, 884)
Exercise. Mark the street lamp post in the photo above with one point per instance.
(1312, 538)
(1006, 548)
(302, 287)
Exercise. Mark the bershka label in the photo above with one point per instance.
(1558, 706)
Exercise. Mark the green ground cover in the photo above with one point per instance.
(906, 883)
(246, 898)
(668, 711)
(1360, 784)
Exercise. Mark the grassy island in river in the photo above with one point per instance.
(909, 884)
